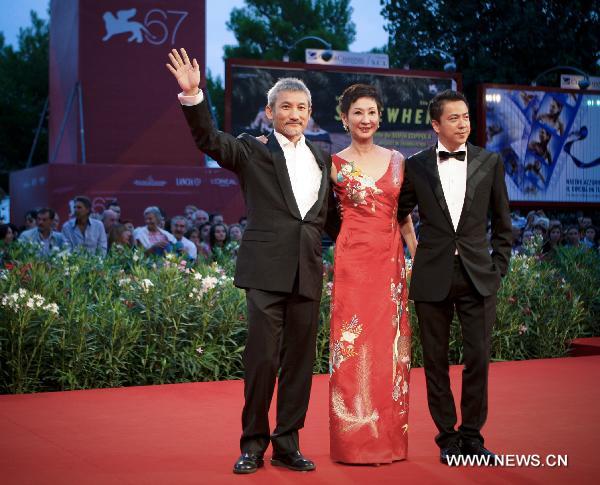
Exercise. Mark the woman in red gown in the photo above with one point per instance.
(370, 331)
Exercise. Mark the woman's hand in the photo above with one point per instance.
(408, 234)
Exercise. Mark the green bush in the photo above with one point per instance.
(74, 321)
(539, 310)
(126, 320)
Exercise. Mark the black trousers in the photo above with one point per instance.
(282, 332)
(477, 315)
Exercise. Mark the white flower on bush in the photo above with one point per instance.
(136, 257)
(124, 281)
(23, 299)
(52, 308)
(209, 283)
(146, 284)
(4, 274)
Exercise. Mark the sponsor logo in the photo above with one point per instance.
(223, 182)
(149, 182)
(34, 182)
(188, 181)
(157, 27)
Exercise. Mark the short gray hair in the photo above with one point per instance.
(287, 84)
(180, 218)
(154, 210)
(107, 213)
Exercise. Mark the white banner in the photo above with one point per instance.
(344, 58)
(571, 81)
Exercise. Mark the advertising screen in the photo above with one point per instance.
(549, 140)
(405, 124)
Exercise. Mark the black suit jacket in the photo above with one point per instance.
(277, 243)
(485, 195)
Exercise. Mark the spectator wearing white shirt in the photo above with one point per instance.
(152, 237)
(179, 226)
(84, 231)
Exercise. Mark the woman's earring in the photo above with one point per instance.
(345, 126)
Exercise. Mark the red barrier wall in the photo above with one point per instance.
(135, 187)
(118, 51)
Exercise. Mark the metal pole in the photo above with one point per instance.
(64, 123)
(81, 126)
(37, 133)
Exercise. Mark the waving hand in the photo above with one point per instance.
(187, 73)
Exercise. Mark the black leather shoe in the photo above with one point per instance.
(475, 448)
(452, 450)
(293, 461)
(248, 463)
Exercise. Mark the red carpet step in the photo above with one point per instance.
(188, 433)
(585, 346)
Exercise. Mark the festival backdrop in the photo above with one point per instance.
(405, 125)
(116, 51)
(549, 140)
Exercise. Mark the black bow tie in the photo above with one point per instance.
(446, 155)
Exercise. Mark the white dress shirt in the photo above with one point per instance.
(303, 170)
(453, 176)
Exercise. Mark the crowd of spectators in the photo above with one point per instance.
(195, 235)
(552, 230)
(198, 235)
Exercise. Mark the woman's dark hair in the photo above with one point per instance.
(436, 105)
(114, 235)
(191, 231)
(212, 234)
(3, 231)
(201, 228)
(356, 91)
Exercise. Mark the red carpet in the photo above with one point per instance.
(188, 433)
(585, 346)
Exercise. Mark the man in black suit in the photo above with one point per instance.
(457, 186)
(279, 264)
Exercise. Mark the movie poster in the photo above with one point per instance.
(405, 125)
(549, 141)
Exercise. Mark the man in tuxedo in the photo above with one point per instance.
(279, 264)
(457, 186)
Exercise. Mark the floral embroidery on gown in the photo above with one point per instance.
(370, 331)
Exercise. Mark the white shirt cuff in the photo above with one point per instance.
(191, 100)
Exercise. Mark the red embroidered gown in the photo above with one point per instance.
(370, 331)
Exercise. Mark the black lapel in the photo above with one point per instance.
(475, 158)
(436, 184)
(316, 208)
(282, 175)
